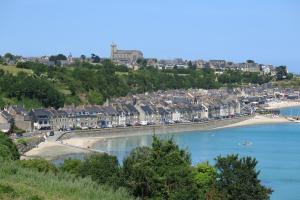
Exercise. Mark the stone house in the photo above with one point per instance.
(21, 117)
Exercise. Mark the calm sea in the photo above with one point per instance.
(276, 147)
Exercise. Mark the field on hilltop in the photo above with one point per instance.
(14, 70)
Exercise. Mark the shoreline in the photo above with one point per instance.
(282, 104)
(83, 142)
(259, 120)
(89, 142)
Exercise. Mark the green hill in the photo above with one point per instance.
(14, 70)
(17, 183)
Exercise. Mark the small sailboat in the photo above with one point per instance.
(246, 143)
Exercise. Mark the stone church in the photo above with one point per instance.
(125, 56)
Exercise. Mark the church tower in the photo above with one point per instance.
(113, 51)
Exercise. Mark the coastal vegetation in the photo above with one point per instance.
(162, 171)
(34, 84)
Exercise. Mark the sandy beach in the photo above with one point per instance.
(282, 104)
(258, 120)
(53, 149)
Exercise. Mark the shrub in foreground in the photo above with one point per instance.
(8, 149)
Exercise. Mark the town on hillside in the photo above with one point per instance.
(134, 59)
(155, 108)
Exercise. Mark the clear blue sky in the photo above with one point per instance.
(267, 31)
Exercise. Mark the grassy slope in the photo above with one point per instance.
(24, 184)
(13, 70)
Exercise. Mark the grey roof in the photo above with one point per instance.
(40, 113)
(148, 110)
(131, 109)
(7, 116)
(109, 110)
(19, 109)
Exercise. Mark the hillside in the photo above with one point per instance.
(14, 70)
(17, 183)
(85, 83)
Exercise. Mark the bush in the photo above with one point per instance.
(8, 149)
(39, 164)
(72, 166)
(161, 172)
(28, 184)
(102, 168)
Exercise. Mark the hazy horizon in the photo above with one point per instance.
(265, 31)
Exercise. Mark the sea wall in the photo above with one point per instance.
(155, 129)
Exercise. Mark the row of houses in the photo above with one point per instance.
(128, 114)
(120, 115)
(161, 107)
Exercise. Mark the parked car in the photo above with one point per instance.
(51, 133)
(143, 123)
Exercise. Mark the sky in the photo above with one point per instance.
(267, 31)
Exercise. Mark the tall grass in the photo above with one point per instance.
(26, 184)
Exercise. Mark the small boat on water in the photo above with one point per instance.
(246, 143)
(295, 120)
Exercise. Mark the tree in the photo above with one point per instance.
(9, 56)
(281, 73)
(82, 57)
(160, 172)
(95, 97)
(2, 103)
(142, 62)
(102, 168)
(8, 149)
(57, 58)
(250, 61)
(95, 58)
(205, 178)
(237, 178)
(72, 166)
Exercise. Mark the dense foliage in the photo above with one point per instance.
(162, 171)
(238, 179)
(24, 86)
(8, 149)
(85, 83)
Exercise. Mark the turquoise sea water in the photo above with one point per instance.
(276, 147)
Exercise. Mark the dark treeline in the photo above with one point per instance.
(84, 83)
(162, 171)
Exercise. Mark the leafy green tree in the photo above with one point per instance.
(8, 149)
(95, 58)
(281, 72)
(95, 97)
(82, 57)
(102, 168)
(9, 56)
(237, 178)
(38, 68)
(205, 178)
(160, 172)
(72, 166)
(138, 172)
(250, 61)
(2, 103)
